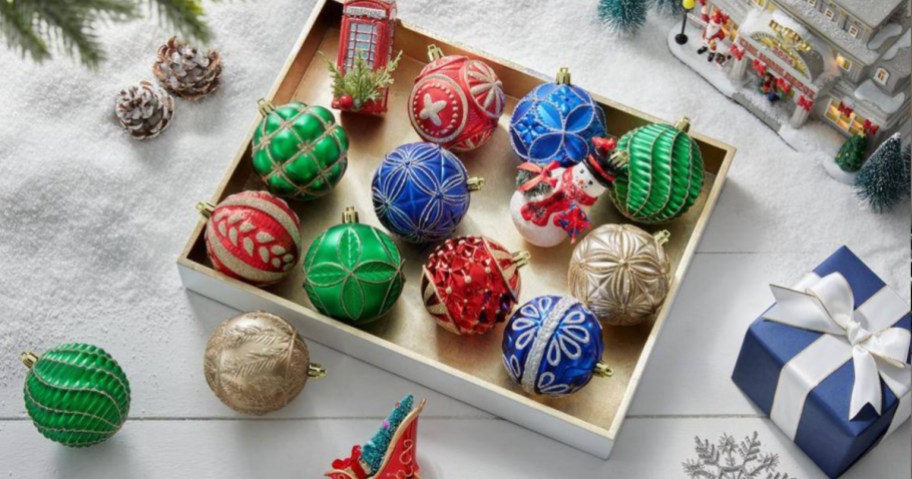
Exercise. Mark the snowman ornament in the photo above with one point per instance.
(551, 203)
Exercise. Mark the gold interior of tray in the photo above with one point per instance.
(408, 325)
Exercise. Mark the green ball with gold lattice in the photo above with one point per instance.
(660, 173)
(298, 150)
(353, 272)
(76, 394)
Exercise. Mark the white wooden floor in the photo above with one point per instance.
(778, 216)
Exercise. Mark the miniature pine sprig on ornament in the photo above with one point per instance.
(375, 449)
(361, 84)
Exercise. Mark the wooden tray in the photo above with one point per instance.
(408, 342)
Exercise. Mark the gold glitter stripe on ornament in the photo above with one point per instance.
(237, 266)
(545, 333)
(91, 369)
(35, 402)
(273, 210)
(45, 382)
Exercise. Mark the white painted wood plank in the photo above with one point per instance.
(453, 449)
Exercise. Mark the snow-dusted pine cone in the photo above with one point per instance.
(144, 110)
(186, 72)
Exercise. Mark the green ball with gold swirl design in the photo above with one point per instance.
(659, 172)
(76, 394)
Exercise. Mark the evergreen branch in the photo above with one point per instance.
(20, 33)
(186, 16)
(69, 26)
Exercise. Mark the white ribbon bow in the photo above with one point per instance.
(879, 350)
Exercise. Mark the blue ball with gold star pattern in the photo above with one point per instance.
(421, 192)
(552, 345)
(556, 122)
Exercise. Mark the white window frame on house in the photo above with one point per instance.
(881, 75)
(853, 30)
(843, 62)
(852, 124)
(812, 3)
(830, 12)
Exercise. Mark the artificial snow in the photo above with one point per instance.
(887, 32)
(870, 92)
(903, 42)
(93, 221)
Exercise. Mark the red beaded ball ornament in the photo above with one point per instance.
(456, 101)
(471, 283)
(252, 236)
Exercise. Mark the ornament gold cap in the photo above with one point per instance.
(205, 208)
(350, 215)
(683, 124)
(662, 237)
(316, 371)
(602, 370)
(434, 52)
(28, 358)
(620, 158)
(521, 258)
(265, 107)
(563, 76)
(475, 183)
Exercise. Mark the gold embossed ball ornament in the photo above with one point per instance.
(621, 273)
(257, 363)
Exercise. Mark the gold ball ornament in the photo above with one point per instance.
(257, 363)
(621, 273)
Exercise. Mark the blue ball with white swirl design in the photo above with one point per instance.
(551, 345)
(420, 192)
(556, 122)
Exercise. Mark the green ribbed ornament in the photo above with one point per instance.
(76, 394)
(353, 272)
(660, 174)
(298, 150)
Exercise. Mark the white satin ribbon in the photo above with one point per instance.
(865, 336)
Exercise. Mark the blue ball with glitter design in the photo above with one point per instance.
(421, 192)
(553, 345)
(556, 122)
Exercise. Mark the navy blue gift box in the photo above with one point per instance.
(824, 430)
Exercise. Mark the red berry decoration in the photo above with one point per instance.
(346, 102)
(471, 283)
(456, 101)
(252, 236)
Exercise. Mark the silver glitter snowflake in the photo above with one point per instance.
(728, 459)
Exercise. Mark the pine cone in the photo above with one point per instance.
(186, 72)
(144, 110)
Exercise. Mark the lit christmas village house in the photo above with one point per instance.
(367, 31)
(845, 62)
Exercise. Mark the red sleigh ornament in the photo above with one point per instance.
(400, 461)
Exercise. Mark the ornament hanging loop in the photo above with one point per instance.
(563, 76)
(683, 124)
(265, 107)
(28, 358)
(475, 183)
(350, 215)
(602, 370)
(520, 258)
(662, 237)
(434, 52)
(316, 371)
(205, 208)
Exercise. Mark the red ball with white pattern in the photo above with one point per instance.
(253, 236)
(456, 101)
(471, 283)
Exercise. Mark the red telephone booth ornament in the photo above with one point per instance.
(368, 27)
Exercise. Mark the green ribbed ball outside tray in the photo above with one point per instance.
(663, 176)
(77, 395)
(299, 151)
